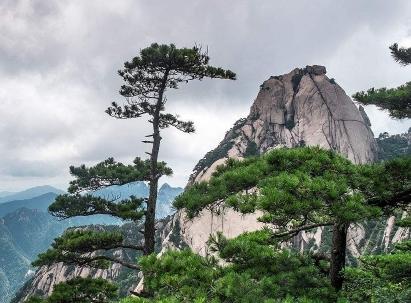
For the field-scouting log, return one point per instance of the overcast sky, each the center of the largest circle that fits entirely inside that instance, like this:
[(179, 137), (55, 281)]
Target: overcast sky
[(59, 62)]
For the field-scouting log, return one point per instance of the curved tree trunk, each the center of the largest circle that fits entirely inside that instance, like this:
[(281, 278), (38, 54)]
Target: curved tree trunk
[(338, 252)]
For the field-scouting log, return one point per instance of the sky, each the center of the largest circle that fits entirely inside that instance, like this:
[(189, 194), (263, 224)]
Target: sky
[(59, 62)]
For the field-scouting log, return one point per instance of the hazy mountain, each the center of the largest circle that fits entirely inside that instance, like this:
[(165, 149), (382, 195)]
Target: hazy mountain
[(6, 196), (24, 233), (6, 193), (41, 202), (166, 195), (26, 229)]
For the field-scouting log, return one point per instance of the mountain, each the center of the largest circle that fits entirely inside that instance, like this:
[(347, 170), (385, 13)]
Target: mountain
[(166, 195), (391, 146), (29, 230), (41, 284), (6, 193), (41, 202), (24, 233), (29, 193), (303, 107)]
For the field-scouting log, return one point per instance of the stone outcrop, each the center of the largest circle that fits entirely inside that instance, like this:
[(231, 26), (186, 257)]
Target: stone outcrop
[(303, 107), (46, 277)]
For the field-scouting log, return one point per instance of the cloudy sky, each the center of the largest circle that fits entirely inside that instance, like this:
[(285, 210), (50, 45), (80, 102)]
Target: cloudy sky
[(58, 63)]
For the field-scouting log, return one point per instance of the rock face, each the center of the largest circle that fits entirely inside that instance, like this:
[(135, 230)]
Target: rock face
[(303, 107), (36, 234), (46, 277)]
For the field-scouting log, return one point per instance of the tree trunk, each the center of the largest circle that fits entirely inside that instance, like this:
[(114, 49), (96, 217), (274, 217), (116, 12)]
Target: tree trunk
[(150, 217), (149, 224), (338, 251)]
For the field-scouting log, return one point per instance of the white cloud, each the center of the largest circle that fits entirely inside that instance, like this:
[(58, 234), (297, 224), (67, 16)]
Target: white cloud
[(59, 61)]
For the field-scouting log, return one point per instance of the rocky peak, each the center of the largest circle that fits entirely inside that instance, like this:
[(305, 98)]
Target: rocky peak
[(303, 107)]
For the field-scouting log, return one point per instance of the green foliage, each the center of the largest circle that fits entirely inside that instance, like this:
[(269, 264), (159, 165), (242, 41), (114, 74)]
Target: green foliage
[(156, 69), (400, 54), (251, 150), (180, 273), (390, 147), (76, 245), (304, 188), (110, 172), (255, 272), (289, 124), (81, 290), (68, 206), (381, 278), (396, 100), (299, 185)]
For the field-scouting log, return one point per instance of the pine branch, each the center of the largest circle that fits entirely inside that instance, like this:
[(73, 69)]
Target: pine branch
[(295, 231), (400, 54)]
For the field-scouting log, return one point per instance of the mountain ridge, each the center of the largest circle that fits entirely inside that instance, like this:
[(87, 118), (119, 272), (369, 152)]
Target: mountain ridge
[(30, 193)]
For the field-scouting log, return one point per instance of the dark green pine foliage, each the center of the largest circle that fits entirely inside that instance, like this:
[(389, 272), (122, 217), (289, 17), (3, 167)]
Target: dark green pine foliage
[(81, 290), (396, 100), (254, 271), (147, 77), (304, 188), (88, 246), (401, 54), (392, 146), (381, 278)]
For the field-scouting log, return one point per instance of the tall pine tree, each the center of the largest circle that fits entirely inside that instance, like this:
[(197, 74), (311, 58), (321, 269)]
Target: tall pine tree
[(147, 77)]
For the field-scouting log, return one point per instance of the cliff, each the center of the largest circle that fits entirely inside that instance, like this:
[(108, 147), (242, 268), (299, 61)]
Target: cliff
[(303, 107)]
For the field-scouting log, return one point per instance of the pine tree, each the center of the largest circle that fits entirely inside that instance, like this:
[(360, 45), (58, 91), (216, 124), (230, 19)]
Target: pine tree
[(89, 246), (81, 290), (305, 188), (396, 100), (147, 77), (400, 54)]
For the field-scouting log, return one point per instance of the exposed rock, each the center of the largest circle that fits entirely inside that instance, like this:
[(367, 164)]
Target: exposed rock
[(46, 277), (302, 107), (364, 115)]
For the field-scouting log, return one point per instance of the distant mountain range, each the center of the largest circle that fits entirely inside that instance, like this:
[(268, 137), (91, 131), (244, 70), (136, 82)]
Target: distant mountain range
[(41, 203), (26, 229), (24, 233), (6, 196)]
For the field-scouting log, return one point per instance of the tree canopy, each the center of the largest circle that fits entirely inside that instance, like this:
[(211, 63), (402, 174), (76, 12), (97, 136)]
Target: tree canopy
[(397, 101), (147, 77), (88, 246), (304, 188), (81, 290)]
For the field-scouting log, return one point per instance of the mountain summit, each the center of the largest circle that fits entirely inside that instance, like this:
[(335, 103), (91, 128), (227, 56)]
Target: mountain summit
[(303, 107)]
